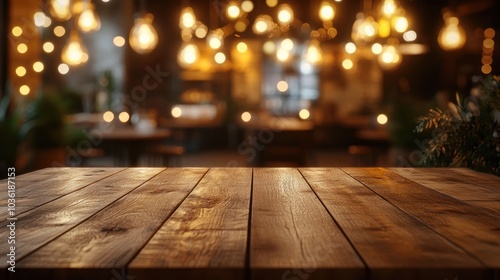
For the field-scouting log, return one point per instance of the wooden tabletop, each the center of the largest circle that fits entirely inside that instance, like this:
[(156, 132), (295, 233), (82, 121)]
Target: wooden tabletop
[(261, 223)]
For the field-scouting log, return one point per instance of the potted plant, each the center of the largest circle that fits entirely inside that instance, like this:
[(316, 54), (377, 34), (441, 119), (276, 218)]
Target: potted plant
[(467, 134), (12, 134), (47, 131)]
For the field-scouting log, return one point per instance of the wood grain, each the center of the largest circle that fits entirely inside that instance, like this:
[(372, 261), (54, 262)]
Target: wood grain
[(290, 229), (467, 226), (132, 220), (40, 225), (393, 244), (207, 233), (31, 188), (449, 182)]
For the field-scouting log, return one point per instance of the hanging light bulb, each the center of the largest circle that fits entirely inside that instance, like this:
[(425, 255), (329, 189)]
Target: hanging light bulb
[(143, 37), (389, 58), (263, 24), (388, 8), (215, 39), (326, 11), (452, 35), (285, 14), (74, 52), (364, 29), (313, 53), (60, 9), (188, 55), (188, 19), (400, 24), (233, 10), (88, 20)]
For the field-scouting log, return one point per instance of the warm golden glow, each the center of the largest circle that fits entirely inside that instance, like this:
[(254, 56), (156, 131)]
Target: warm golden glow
[(388, 8), (486, 59), (124, 117), (22, 48), (376, 48), (285, 14), (220, 58), (17, 31), (143, 37), (247, 6), (304, 114), (486, 69), (20, 71), (47, 22), (242, 47), (350, 47), (60, 9), (176, 112), (271, 3), (188, 55), (233, 10), (364, 29), (38, 66), (59, 31), (108, 116), (24, 90), (246, 116), (452, 35), (88, 20), (188, 19), (119, 41), (201, 31), (390, 57), (74, 52), (48, 47), (240, 26), (263, 24), (215, 38), (347, 64), (326, 11), (39, 19), (313, 54), (63, 68), (282, 86), (382, 119), (282, 55), (287, 44), (384, 28), (269, 47), (489, 33), (410, 36), (400, 24), (488, 43)]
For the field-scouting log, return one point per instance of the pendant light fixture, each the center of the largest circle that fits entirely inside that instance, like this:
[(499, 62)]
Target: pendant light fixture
[(74, 52), (143, 37)]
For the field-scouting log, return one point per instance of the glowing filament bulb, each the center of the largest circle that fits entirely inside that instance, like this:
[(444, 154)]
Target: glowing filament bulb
[(143, 37)]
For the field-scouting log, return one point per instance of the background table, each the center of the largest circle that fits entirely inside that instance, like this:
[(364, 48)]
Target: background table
[(261, 223), (128, 142)]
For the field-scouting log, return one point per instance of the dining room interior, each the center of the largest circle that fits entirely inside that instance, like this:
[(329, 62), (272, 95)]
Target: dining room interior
[(196, 83)]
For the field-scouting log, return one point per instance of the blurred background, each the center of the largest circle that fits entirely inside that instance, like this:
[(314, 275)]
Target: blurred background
[(233, 83)]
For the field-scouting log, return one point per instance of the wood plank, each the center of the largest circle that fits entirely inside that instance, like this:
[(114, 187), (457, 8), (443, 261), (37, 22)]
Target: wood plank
[(463, 224), (40, 225), (450, 182), (31, 188), (393, 244), (476, 177), (292, 234), (112, 237), (493, 205), (206, 237)]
